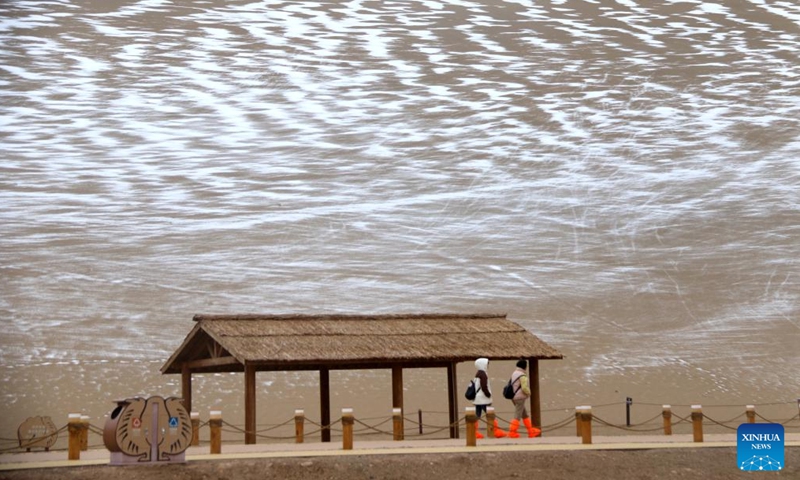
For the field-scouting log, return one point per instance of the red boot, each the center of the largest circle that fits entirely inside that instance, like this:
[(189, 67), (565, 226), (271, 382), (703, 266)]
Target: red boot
[(512, 429), (477, 430), (532, 431), (497, 432)]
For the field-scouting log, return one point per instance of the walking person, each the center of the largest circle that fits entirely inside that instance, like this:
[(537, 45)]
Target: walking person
[(483, 396), (521, 386)]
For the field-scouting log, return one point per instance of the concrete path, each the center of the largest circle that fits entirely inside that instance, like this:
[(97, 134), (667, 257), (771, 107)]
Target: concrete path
[(17, 461)]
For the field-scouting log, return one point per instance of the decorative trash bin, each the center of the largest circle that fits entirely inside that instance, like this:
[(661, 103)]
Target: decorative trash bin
[(142, 430)]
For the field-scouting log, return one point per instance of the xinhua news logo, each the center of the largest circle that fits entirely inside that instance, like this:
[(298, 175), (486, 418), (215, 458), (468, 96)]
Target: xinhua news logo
[(759, 447)]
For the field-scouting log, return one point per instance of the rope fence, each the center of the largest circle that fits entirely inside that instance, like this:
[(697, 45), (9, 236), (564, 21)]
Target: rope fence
[(396, 426)]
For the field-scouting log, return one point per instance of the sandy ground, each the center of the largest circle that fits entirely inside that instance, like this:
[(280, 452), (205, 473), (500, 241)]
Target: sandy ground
[(705, 463)]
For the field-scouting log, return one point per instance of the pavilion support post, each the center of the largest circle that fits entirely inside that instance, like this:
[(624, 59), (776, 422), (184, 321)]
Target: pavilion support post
[(186, 387), (325, 403), (249, 404), (397, 395), (452, 399), (536, 402)]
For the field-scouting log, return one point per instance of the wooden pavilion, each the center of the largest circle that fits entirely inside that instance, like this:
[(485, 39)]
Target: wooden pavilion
[(257, 343)]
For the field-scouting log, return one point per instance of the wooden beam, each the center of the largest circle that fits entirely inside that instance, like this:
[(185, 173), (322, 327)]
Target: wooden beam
[(536, 402), (452, 399), (325, 403), (186, 387), (249, 404), (214, 349), (287, 366), (211, 362)]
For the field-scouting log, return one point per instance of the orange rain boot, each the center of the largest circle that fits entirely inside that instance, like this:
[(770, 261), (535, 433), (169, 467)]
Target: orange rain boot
[(512, 429), (532, 431), (497, 432), (478, 430)]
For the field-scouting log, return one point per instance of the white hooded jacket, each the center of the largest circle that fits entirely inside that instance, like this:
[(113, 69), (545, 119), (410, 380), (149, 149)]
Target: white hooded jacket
[(480, 398)]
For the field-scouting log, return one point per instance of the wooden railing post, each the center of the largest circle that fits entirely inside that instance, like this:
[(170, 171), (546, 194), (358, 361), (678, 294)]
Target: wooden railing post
[(697, 423), (74, 428), (84, 433), (667, 414), (347, 428), (586, 425), (215, 423), (299, 426), (397, 423), (490, 416), (578, 422), (472, 419), (195, 429), (751, 413)]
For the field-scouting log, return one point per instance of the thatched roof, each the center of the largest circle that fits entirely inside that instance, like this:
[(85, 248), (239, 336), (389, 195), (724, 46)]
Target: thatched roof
[(292, 342)]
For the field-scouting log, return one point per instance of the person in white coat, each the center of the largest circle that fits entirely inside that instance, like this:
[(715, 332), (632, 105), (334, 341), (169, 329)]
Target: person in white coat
[(483, 395)]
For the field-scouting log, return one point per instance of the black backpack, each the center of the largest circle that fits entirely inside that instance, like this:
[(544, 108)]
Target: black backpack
[(471, 391), (508, 390)]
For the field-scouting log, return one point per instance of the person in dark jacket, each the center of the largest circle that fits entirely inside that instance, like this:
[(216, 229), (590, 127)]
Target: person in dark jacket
[(521, 386)]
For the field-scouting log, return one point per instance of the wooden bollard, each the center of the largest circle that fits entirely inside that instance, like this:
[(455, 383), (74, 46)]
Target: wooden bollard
[(397, 424), (472, 420), (578, 421), (586, 425), (347, 428), (697, 423), (215, 424), (195, 429), (299, 426), (490, 416), (74, 427), (84, 433), (667, 414), (751, 413)]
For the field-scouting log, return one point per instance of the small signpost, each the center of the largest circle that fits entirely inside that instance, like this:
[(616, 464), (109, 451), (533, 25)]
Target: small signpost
[(37, 432)]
